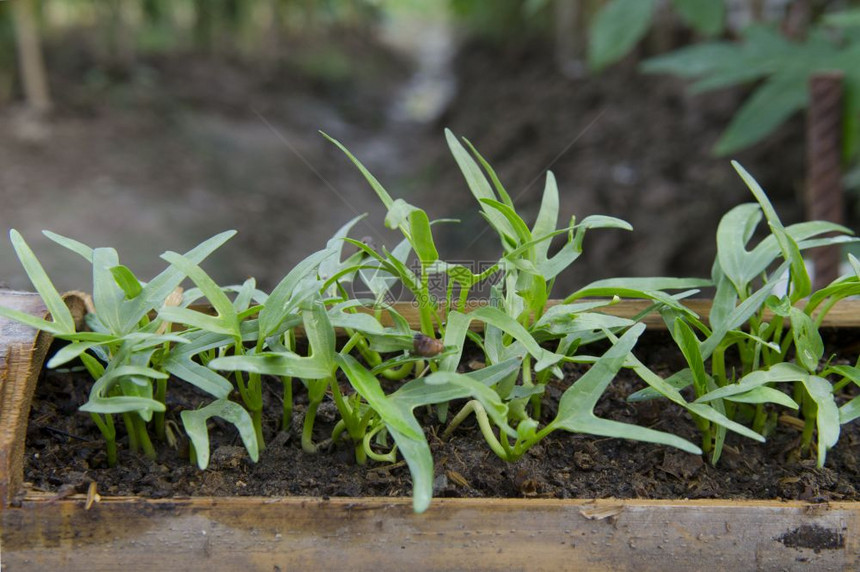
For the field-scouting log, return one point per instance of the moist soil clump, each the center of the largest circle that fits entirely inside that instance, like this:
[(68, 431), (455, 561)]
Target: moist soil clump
[(65, 453)]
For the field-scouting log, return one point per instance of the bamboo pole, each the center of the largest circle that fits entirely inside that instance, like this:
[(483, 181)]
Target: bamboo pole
[(30, 60)]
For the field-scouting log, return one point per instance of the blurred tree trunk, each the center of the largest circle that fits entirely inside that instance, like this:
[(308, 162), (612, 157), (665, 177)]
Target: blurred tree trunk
[(271, 36), (8, 53), (120, 51), (757, 10), (571, 24), (31, 62), (661, 37), (153, 12), (203, 23)]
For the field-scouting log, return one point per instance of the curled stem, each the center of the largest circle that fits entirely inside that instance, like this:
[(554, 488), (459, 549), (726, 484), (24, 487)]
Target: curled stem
[(484, 424), (389, 457), (398, 373)]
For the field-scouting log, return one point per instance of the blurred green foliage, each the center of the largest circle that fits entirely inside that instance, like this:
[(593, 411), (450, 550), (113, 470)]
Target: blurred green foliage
[(503, 21)]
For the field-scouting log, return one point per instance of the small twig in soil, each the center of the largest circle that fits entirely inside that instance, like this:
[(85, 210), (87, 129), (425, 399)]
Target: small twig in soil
[(388, 468), (57, 431), (792, 421)]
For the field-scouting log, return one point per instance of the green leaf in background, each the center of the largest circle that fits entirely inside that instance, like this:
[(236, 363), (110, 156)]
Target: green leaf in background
[(618, 26), (766, 53), (694, 61), (706, 16), (780, 97), (843, 19), (69, 352), (194, 421), (851, 116)]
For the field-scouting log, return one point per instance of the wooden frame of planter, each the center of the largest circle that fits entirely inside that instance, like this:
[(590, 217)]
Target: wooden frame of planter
[(43, 531)]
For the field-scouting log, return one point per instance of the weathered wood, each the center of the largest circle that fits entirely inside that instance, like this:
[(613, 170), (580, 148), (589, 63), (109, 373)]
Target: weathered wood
[(455, 534), (844, 314), (22, 353)]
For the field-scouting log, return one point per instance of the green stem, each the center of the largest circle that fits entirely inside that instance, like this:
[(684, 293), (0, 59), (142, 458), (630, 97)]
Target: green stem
[(354, 339), (108, 431), (338, 430), (352, 421), (534, 400), (718, 366), (243, 391), (308, 427), (287, 409), (809, 409), (424, 305), (760, 419), (484, 424), (257, 421), (158, 416), (399, 373), (828, 305), (388, 457), (127, 420), (704, 427), (143, 436), (464, 297)]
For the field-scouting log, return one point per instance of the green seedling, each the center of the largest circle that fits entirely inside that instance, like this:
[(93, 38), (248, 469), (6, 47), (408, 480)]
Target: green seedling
[(131, 347), (125, 351), (748, 318)]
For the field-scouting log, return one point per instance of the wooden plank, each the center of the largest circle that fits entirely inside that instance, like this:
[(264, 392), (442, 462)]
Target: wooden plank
[(461, 534), (22, 353), (844, 314)]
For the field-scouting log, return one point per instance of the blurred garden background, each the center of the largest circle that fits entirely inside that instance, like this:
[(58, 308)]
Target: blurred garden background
[(150, 125)]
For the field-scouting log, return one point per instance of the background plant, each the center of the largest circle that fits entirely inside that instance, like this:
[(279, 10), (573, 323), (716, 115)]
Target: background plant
[(779, 56)]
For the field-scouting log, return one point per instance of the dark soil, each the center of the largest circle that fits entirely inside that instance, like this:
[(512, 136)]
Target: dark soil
[(65, 453)]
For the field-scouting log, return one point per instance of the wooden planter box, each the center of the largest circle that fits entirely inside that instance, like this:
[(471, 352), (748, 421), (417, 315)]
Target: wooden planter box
[(43, 532)]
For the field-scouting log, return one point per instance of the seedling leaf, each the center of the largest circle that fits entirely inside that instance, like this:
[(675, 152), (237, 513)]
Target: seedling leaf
[(195, 420)]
